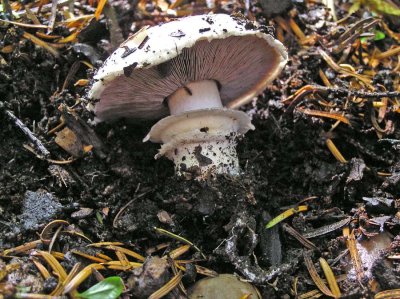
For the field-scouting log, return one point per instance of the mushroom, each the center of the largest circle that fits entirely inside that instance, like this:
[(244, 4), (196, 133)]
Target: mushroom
[(197, 69)]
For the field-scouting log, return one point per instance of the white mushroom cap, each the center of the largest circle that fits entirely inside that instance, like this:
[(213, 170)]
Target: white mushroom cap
[(135, 80)]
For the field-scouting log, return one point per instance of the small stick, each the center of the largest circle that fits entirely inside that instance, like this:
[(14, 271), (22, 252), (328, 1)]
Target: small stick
[(28, 133), (53, 16), (45, 8)]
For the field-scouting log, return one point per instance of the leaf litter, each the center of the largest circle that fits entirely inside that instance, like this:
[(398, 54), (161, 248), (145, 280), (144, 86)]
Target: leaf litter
[(322, 133)]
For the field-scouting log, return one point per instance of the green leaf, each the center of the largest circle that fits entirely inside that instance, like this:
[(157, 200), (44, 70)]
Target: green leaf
[(109, 288), (379, 35), (99, 217)]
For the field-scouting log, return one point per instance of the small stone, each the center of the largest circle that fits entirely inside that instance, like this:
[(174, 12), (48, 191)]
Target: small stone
[(39, 208), (82, 213), (149, 278), (164, 217)]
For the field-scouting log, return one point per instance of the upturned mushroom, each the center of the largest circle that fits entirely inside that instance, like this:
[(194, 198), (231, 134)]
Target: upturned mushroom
[(224, 286), (197, 70)]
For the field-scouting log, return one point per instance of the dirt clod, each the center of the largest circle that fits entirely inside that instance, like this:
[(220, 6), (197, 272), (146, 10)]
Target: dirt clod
[(39, 208)]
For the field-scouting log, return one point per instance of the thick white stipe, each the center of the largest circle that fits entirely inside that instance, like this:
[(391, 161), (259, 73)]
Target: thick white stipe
[(200, 135)]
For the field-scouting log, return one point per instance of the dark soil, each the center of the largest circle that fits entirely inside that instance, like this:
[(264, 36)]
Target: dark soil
[(284, 161)]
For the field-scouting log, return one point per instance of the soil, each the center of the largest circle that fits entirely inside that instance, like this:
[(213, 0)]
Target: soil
[(284, 161)]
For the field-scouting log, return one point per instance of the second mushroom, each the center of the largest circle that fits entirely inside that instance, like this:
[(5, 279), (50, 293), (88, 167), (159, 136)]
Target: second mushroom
[(197, 70)]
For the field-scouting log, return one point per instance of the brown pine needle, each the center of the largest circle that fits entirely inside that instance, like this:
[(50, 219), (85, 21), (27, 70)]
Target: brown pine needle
[(41, 43), (88, 64), (175, 271), (76, 233), (392, 34), (127, 252), (335, 152), (376, 104), (122, 258), (297, 31), (380, 173), (81, 82), (330, 277), (99, 9), (77, 22), (389, 53), (283, 24), (25, 25), (388, 294), (69, 39), (174, 236), (80, 277), (177, 265), (48, 231), (205, 271), (42, 269), (394, 257), (103, 256), (331, 115), (22, 248), (88, 256), (355, 256), (324, 78), (4, 271), (31, 16), (168, 287), (119, 263), (54, 238), (103, 244), (374, 121), (315, 277), (367, 81), (299, 237), (60, 286), (72, 273), (285, 215), (7, 49), (54, 264), (178, 252), (58, 255), (311, 295), (47, 36)]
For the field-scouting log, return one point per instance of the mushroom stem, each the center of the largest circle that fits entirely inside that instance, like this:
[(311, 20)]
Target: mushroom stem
[(199, 151), (201, 142), (201, 158), (195, 96)]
